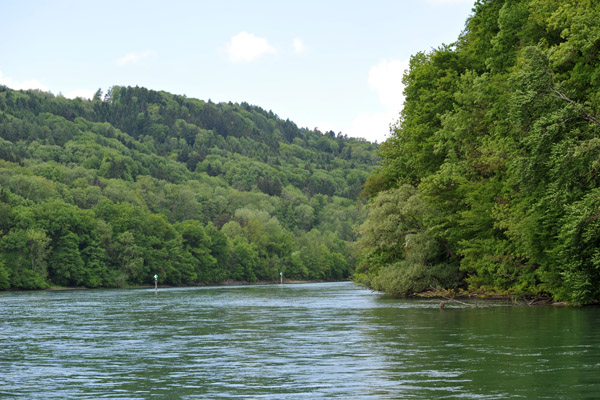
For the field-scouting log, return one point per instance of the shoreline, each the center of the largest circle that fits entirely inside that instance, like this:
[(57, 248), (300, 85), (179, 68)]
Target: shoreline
[(446, 295), (212, 284), (470, 298)]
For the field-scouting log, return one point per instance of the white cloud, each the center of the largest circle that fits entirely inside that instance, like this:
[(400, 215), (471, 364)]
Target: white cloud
[(372, 126), (134, 57), (299, 46), (385, 78), (23, 85), (325, 127), (83, 93), (245, 47), (35, 84)]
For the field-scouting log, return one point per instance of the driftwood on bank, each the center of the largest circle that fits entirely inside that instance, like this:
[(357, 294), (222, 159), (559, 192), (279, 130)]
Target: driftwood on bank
[(448, 299)]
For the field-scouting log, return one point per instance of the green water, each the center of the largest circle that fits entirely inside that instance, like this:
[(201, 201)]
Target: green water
[(310, 341)]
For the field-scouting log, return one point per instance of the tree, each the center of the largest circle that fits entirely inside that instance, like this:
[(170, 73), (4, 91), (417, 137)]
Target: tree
[(4, 276), (112, 183), (129, 258), (37, 247), (198, 244), (26, 251), (244, 260), (498, 142), (66, 267)]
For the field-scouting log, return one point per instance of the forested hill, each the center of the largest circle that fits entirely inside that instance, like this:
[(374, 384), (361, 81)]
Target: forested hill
[(110, 191), (491, 179)]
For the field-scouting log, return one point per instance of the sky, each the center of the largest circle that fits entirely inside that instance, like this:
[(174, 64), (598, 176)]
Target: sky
[(326, 64)]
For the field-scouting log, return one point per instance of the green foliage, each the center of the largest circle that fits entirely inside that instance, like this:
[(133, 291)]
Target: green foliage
[(109, 192), (499, 142), (400, 255), (4, 277), (578, 251)]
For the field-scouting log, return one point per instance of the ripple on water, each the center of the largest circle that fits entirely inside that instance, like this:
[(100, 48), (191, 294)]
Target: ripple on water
[(288, 342)]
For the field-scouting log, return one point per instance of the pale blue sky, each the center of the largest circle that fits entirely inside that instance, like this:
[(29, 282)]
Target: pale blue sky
[(328, 64)]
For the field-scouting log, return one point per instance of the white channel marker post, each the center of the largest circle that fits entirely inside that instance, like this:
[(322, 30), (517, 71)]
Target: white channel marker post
[(155, 284)]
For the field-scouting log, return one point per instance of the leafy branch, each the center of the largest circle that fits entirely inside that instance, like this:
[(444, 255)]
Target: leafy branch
[(588, 116)]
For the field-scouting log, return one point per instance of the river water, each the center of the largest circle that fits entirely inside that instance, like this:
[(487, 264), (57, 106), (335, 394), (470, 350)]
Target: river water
[(306, 341)]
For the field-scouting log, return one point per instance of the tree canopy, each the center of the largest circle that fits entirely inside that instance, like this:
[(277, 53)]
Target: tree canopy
[(110, 191), (491, 172)]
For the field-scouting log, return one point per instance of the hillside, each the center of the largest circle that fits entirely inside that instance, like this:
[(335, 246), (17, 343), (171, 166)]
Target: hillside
[(490, 180), (110, 191)]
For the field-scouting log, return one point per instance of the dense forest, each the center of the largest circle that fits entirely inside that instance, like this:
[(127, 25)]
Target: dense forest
[(108, 192), (490, 180)]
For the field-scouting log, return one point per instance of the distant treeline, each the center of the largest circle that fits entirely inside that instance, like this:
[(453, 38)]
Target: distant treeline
[(110, 191), (491, 178)]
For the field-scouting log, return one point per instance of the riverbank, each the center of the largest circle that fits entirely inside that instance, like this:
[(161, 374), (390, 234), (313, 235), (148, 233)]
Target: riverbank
[(322, 340), (460, 295), (216, 284)]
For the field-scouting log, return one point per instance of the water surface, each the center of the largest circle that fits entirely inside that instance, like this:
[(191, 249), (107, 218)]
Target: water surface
[(309, 341)]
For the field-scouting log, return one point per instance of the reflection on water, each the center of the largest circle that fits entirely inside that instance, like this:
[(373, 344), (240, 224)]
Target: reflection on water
[(332, 340)]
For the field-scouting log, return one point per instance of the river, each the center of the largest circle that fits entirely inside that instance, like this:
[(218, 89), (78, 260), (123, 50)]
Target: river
[(304, 341)]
